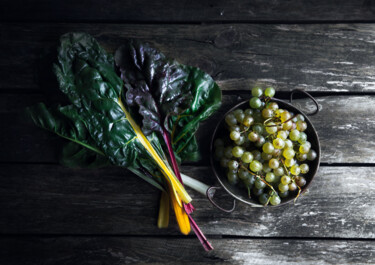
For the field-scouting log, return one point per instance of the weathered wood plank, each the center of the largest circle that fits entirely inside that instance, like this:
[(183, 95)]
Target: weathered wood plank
[(23, 142), (325, 57), (132, 250), (186, 11), (48, 199)]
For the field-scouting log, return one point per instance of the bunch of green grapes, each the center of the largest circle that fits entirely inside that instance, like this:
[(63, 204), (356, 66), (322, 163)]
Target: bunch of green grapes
[(267, 150)]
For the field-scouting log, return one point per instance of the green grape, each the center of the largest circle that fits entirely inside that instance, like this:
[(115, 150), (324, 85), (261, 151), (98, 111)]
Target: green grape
[(271, 128), (266, 168), (300, 181), (244, 128), (288, 153), (218, 142), (275, 200), (282, 135), (295, 170), (301, 126), (258, 129), (270, 177), (243, 174), (266, 156), (219, 152), (273, 106), (237, 111), (258, 116), (248, 112), (247, 157), (294, 135), (233, 170), (294, 126), (288, 144), (304, 149), (230, 120), (263, 198), (285, 180), (228, 152), (302, 138), (268, 148), (311, 155), (232, 178), (301, 157), (260, 142), (273, 163), (267, 113), (249, 181), (287, 125), (308, 143), (292, 186), (278, 112), (255, 103), (284, 194), (239, 116), (234, 135), (257, 192), (235, 128), (284, 116), (256, 92), (248, 121), (237, 151), (269, 92), (278, 143), (276, 153), (290, 162), (253, 136), (304, 168), (283, 188), (256, 155), (240, 141), (233, 164), (224, 162), (256, 166), (300, 117), (278, 172), (259, 184)]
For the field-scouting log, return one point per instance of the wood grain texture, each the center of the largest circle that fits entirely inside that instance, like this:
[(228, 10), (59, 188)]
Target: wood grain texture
[(346, 140), (187, 11), (323, 57), (131, 250), (48, 199)]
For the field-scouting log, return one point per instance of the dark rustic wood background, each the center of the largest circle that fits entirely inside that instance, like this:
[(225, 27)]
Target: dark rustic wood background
[(54, 215)]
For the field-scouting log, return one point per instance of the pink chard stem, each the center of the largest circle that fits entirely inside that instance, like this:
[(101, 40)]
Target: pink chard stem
[(188, 207)]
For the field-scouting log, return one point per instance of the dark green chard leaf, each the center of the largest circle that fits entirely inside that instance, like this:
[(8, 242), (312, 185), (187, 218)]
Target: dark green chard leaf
[(65, 122), (77, 156), (85, 74)]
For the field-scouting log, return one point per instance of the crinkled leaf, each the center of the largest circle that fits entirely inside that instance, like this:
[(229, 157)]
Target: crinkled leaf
[(77, 156), (86, 75), (162, 90), (65, 122)]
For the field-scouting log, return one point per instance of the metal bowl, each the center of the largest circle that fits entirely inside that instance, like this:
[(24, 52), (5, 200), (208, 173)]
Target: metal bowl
[(239, 193)]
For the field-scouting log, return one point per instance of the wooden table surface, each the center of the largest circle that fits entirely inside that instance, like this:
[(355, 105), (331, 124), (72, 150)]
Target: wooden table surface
[(53, 215)]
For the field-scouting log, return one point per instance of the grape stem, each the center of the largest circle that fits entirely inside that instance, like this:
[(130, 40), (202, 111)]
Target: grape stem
[(279, 123), (293, 180), (259, 177)]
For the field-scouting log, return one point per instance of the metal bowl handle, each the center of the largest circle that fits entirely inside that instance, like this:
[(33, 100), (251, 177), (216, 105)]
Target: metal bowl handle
[(307, 94), (210, 195)]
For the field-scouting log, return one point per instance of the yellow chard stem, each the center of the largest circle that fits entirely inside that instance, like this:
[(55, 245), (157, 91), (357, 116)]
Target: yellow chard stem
[(167, 172), (163, 218)]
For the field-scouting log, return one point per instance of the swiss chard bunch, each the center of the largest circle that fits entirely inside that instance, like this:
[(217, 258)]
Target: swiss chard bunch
[(140, 111)]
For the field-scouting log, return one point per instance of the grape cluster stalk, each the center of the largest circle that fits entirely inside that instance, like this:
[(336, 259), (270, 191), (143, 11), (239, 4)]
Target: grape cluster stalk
[(267, 151)]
